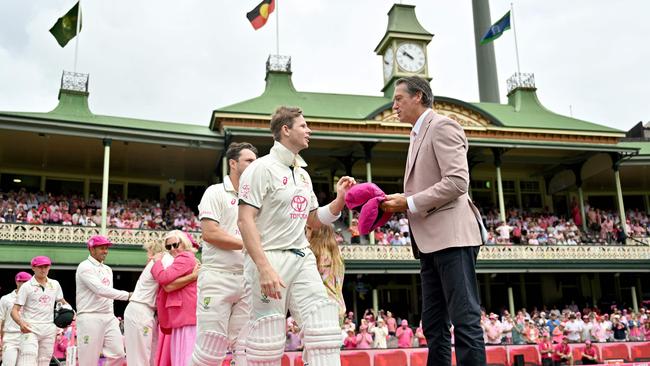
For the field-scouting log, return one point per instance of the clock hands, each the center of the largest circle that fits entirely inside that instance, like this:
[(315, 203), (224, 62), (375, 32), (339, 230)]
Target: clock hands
[(408, 55)]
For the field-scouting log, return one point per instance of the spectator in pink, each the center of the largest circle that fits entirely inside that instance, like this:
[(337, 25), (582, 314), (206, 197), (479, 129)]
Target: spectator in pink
[(546, 350), (391, 323), (351, 341), (364, 339), (589, 355), (60, 345), (177, 309), (419, 334), (404, 335), (492, 330), (562, 353)]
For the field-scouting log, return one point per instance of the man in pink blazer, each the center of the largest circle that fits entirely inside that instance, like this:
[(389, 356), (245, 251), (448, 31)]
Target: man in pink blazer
[(445, 230)]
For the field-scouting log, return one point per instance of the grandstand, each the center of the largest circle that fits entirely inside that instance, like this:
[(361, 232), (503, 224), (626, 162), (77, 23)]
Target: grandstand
[(127, 176)]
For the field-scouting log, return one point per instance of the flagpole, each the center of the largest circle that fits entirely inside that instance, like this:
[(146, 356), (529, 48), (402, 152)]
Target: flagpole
[(76, 46), (514, 30), (277, 28)]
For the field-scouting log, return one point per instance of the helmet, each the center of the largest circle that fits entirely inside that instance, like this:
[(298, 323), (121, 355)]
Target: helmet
[(63, 317)]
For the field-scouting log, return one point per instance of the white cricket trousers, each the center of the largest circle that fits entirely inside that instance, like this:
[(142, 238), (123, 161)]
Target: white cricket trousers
[(222, 306), (140, 334), (99, 333), (37, 347), (10, 347)]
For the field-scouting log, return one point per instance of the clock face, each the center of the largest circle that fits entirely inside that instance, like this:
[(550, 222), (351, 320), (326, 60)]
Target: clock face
[(410, 57), (388, 63)]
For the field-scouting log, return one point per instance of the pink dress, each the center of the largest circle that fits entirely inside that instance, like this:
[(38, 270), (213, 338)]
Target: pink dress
[(176, 311)]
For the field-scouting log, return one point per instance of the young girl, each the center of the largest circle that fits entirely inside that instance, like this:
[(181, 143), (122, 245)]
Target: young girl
[(330, 263)]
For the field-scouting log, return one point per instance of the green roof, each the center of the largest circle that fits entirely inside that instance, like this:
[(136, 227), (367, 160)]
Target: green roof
[(280, 91), (524, 110), (73, 107), (643, 146)]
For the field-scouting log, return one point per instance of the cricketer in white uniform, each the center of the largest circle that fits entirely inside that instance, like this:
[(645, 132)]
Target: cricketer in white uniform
[(276, 202), (33, 311), (223, 309), (9, 330), (98, 329)]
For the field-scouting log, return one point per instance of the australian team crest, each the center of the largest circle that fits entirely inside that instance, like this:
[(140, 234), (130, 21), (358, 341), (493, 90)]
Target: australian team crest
[(145, 331), (206, 302), (86, 339), (265, 299)]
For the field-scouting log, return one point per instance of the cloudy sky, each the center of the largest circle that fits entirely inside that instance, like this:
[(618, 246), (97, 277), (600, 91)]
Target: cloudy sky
[(179, 60)]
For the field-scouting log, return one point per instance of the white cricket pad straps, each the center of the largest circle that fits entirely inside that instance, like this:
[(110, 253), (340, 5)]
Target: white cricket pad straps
[(210, 348), (266, 340), (322, 335)]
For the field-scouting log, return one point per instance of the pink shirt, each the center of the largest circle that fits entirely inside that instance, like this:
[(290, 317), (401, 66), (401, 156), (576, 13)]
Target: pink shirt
[(177, 308), (391, 323), (404, 337), (364, 340)]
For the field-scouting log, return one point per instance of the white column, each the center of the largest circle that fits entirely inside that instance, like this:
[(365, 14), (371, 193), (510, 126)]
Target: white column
[(619, 199), (635, 303), (224, 167), (375, 301), (107, 156), (502, 205), (511, 302), (581, 200)]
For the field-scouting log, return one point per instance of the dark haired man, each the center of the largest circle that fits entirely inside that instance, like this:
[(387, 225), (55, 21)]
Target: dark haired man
[(445, 227), (222, 311)]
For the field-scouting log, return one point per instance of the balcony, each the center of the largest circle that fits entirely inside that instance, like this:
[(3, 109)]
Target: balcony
[(359, 258)]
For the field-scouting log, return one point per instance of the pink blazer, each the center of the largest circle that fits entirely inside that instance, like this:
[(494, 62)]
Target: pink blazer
[(437, 177), (177, 308)]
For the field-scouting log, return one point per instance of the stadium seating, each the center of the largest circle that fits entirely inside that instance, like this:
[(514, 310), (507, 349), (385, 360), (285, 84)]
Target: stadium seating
[(496, 356), (396, 357), (614, 351), (640, 351), (531, 355), (419, 358), (355, 358)]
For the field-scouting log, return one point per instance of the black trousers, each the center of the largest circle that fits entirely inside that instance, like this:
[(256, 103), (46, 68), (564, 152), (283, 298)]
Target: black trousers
[(450, 295)]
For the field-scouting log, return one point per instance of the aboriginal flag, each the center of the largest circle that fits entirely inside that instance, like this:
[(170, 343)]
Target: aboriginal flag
[(260, 14)]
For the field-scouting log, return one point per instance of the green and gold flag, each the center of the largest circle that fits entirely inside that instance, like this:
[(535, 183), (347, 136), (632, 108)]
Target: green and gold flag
[(65, 27)]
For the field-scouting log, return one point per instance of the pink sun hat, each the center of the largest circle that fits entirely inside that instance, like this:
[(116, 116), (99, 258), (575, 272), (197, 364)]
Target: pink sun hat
[(98, 240), (369, 197), (41, 260), (23, 277)]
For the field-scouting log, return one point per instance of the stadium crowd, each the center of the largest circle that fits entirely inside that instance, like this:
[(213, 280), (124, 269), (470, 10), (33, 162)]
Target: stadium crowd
[(40, 208)]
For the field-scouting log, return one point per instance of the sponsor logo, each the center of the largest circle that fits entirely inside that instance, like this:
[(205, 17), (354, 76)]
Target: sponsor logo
[(44, 299), (299, 205), (245, 190), (285, 180), (233, 201), (106, 281)]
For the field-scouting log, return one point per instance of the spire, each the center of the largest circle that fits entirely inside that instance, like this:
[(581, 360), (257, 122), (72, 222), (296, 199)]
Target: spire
[(73, 95)]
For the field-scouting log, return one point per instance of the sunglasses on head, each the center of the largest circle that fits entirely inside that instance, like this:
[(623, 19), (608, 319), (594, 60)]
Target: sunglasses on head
[(172, 245)]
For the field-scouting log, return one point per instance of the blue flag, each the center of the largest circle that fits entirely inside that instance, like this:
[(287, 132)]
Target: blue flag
[(497, 29)]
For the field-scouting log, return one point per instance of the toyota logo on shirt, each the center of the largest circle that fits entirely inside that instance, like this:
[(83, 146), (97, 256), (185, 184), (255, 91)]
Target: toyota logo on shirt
[(299, 203)]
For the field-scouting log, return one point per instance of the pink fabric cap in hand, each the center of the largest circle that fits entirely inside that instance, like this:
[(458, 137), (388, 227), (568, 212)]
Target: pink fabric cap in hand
[(359, 194), (372, 216)]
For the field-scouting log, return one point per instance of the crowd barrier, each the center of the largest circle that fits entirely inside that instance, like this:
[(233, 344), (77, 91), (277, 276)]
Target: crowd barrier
[(624, 354)]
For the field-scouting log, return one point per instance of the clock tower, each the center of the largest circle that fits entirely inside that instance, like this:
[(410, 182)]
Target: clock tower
[(404, 47)]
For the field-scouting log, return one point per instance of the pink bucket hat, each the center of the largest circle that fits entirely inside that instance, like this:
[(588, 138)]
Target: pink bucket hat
[(359, 194), (98, 240), (369, 197), (23, 277), (41, 260)]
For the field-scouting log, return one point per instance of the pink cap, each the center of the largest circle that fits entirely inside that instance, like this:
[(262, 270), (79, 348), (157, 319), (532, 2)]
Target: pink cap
[(23, 277), (41, 260), (405, 322), (98, 240), (371, 216)]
